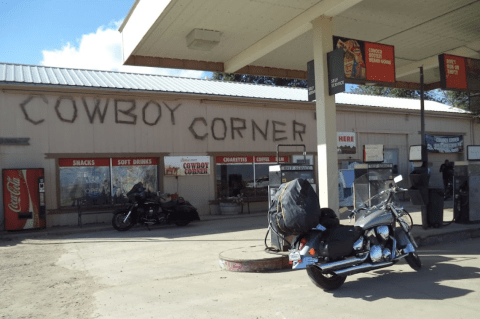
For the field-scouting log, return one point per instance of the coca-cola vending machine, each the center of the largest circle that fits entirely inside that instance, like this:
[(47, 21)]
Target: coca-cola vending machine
[(24, 198)]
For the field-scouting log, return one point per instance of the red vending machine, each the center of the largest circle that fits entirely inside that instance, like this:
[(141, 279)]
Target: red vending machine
[(24, 198)]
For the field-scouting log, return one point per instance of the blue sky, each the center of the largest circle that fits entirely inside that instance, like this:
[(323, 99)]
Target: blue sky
[(68, 33)]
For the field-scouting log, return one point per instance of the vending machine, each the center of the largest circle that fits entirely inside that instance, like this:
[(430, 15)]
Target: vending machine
[(24, 198)]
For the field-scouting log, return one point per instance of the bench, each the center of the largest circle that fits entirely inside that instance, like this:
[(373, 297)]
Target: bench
[(95, 210)]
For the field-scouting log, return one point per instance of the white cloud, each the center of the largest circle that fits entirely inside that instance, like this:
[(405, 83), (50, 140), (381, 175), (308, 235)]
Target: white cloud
[(102, 50)]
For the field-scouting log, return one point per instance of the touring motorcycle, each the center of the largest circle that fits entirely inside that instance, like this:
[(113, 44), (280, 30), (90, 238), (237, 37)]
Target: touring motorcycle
[(148, 209), (380, 237)]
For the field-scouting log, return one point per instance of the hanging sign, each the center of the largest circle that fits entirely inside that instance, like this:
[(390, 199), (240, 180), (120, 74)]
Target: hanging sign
[(444, 144), (187, 165), (366, 61), (311, 80), (459, 73), (346, 143), (336, 74)]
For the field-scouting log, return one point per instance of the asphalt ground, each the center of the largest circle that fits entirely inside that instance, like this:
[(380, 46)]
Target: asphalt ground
[(174, 272)]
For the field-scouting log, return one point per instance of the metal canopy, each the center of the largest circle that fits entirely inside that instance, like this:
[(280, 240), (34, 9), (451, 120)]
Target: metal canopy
[(274, 37)]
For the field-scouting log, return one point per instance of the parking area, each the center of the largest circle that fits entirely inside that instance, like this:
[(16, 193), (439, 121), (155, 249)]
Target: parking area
[(172, 272)]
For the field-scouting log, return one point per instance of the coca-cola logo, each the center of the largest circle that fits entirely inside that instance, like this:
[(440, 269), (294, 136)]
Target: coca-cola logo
[(13, 187)]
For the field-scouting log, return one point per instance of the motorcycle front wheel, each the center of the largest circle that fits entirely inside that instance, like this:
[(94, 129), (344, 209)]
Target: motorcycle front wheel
[(414, 261), (324, 281), (118, 221)]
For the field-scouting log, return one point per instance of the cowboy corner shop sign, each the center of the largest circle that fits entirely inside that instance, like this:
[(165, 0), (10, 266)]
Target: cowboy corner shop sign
[(187, 165), (444, 144)]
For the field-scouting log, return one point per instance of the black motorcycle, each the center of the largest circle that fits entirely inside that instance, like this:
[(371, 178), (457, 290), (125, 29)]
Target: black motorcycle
[(149, 209)]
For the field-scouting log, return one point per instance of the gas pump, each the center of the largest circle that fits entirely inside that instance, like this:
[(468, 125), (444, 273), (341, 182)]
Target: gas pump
[(379, 175), (466, 187), (284, 173)]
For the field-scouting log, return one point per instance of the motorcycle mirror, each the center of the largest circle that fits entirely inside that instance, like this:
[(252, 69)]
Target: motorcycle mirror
[(398, 179)]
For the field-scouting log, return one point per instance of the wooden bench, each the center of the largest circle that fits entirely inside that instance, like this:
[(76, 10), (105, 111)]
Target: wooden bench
[(95, 210)]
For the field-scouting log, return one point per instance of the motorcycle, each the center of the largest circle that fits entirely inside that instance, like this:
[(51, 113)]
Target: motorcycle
[(147, 209), (380, 237)]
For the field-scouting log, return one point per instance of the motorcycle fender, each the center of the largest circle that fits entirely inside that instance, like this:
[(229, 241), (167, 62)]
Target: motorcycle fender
[(403, 241)]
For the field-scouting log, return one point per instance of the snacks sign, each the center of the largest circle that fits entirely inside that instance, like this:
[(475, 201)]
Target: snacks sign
[(366, 61)]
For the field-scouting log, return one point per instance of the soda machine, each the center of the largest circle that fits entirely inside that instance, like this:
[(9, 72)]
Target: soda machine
[(24, 198)]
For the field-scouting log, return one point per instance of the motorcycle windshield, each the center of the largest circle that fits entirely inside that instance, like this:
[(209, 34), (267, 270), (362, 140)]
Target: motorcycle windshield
[(368, 189)]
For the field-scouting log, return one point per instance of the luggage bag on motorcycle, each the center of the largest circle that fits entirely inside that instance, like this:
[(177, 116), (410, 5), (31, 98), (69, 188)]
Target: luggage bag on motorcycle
[(295, 208), (185, 212), (337, 241)]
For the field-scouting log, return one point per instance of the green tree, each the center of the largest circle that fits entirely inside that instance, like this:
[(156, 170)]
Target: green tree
[(395, 92), (258, 79)]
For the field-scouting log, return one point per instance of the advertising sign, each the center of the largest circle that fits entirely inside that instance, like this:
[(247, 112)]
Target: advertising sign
[(444, 144), (473, 152), (336, 74), (346, 143), (311, 80), (459, 73), (21, 199), (373, 153), (367, 61), (187, 165)]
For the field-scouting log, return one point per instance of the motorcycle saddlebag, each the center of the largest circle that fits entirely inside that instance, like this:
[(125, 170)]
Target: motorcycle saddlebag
[(337, 242), (185, 212), (295, 207)]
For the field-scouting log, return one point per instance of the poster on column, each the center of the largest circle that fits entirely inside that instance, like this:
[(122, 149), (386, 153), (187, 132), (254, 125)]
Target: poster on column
[(366, 61)]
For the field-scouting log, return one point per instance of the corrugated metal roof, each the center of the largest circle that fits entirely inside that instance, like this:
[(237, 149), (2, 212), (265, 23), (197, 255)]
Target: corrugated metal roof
[(52, 76)]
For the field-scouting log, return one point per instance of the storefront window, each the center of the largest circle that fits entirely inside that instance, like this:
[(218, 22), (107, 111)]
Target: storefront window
[(247, 175), (100, 181), (126, 172), (84, 181)]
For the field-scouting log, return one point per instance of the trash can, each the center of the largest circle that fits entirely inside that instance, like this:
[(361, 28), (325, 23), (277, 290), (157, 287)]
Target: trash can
[(435, 207)]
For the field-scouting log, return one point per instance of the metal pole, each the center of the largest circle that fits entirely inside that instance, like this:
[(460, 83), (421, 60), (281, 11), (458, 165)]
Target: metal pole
[(422, 119)]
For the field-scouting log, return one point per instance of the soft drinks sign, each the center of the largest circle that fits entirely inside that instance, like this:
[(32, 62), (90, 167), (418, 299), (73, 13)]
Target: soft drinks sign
[(21, 199)]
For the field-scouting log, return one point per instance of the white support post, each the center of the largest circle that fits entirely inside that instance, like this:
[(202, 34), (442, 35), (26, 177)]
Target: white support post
[(326, 116)]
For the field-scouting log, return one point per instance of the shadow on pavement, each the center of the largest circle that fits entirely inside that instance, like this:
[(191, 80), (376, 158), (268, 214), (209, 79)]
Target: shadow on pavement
[(426, 284)]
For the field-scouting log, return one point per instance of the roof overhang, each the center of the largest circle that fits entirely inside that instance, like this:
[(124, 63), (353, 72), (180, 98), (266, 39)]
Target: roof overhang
[(274, 37)]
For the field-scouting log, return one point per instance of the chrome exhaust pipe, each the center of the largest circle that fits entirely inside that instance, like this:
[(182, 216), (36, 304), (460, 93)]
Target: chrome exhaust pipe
[(342, 263), (361, 268)]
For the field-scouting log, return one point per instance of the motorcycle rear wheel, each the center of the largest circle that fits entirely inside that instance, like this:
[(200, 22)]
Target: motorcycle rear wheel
[(326, 282), (414, 261), (118, 221)]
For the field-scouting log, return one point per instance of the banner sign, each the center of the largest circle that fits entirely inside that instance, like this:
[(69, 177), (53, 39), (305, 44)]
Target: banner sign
[(459, 73), (336, 73), (346, 143), (187, 165), (21, 199), (367, 61), (444, 144)]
